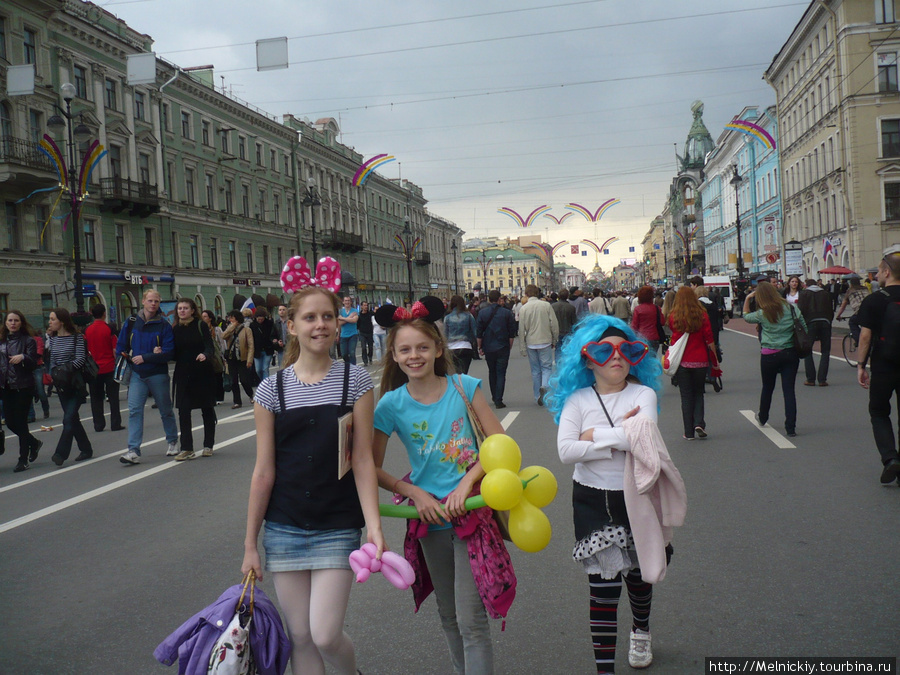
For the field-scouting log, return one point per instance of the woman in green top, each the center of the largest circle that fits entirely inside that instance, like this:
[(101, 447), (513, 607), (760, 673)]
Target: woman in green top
[(778, 354)]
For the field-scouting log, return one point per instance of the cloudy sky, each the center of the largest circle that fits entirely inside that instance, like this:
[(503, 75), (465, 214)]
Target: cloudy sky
[(504, 104)]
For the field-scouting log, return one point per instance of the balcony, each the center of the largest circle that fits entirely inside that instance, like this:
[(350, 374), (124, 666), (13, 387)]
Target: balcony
[(119, 194), (342, 241), (423, 258), (25, 163)]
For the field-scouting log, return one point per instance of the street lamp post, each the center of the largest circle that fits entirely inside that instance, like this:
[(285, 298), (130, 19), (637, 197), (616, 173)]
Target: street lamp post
[(407, 232), (312, 200), (455, 248), (80, 134), (736, 181)]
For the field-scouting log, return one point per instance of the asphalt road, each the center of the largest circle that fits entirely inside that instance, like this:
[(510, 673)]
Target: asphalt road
[(790, 546)]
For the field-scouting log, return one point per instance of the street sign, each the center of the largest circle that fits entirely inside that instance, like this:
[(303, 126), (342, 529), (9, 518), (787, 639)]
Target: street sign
[(793, 258)]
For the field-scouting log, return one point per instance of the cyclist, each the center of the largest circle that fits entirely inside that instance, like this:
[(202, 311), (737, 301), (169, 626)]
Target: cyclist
[(853, 297)]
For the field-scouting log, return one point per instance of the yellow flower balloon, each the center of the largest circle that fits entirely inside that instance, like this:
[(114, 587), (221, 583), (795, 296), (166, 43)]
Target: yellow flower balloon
[(501, 489), (499, 451), (529, 527), (541, 487)]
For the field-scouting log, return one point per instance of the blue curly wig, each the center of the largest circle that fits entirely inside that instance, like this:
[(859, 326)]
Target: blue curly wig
[(572, 372)]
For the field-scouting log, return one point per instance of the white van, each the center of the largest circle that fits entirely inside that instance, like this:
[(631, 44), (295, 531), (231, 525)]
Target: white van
[(723, 283)]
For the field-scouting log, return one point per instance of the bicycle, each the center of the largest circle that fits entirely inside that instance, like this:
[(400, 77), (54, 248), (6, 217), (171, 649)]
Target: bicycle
[(848, 347)]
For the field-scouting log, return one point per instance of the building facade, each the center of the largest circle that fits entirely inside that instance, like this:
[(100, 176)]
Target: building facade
[(836, 89), (756, 194), (505, 266), (655, 255), (200, 195)]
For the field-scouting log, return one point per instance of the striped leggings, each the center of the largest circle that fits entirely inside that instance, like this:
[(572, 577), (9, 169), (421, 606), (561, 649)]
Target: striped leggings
[(604, 607)]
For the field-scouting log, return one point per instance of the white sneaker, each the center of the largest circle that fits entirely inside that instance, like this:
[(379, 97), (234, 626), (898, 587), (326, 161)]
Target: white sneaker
[(185, 454), (207, 452), (130, 457), (172, 450), (639, 653)]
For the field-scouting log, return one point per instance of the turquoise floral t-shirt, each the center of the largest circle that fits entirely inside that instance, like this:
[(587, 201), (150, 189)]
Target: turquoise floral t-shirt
[(438, 437)]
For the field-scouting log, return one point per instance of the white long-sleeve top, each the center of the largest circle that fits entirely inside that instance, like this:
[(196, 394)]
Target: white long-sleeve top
[(600, 463)]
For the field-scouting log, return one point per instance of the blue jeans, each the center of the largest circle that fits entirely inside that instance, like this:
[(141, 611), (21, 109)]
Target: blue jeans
[(348, 348), (379, 345), (784, 363), (261, 365), (541, 362), (138, 390)]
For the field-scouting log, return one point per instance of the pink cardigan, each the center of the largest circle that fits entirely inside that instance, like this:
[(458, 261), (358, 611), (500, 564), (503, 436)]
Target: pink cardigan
[(654, 495)]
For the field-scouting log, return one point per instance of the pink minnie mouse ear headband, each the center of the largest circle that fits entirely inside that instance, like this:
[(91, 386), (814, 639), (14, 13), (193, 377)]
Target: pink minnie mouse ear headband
[(296, 275)]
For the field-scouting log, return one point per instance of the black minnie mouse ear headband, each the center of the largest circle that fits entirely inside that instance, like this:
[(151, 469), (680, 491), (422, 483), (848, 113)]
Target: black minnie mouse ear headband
[(429, 308)]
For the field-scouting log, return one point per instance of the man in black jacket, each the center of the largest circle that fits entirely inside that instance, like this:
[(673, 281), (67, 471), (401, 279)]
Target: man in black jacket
[(818, 311), (495, 329)]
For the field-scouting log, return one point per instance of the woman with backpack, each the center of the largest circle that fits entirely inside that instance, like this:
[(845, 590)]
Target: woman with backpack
[(193, 380), (239, 356), (68, 347)]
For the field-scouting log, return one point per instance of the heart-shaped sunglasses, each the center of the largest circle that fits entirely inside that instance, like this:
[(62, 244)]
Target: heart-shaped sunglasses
[(601, 352)]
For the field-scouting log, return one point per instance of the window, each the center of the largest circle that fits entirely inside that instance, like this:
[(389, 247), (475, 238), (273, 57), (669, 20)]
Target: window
[(290, 211), (280, 255), (225, 142), (210, 201), (110, 95), (148, 246), (165, 117), (884, 11), (41, 216), (189, 186), (5, 121), (242, 147), (214, 253), (30, 46), (80, 76), (265, 268), (229, 199), (262, 205), (185, 124), (120, 243), (2, 37), (90, 244), (36, 125), (12, 226), (232, 255), (273, 161), (287, 165), (176, 250), (276, 209), (204, 132), (245, 200), (887, 72), (139, 100), (892, 201), (115, 161), (249, 257), (890, 138), (259, 154), (170, 170), (4, 303), (144, 168), (195, 251)]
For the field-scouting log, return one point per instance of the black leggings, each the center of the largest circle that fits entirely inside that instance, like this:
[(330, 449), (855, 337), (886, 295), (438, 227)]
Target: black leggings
[(604, 609), (16, 403), (209, 428), (690, 383)]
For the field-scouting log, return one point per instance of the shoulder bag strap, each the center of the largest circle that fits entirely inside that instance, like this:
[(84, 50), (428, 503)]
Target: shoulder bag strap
[(602, 405), (279, 386), (473, 416)]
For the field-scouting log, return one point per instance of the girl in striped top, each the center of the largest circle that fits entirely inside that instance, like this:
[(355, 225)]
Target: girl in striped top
[(67, 346)]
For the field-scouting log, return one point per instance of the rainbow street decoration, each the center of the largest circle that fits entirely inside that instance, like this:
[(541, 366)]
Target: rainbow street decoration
[(558, 246), (366, 168), (546, 248), (599, 249), (598, 214), (558, 221), (524, 222), (753, 131), (409, 253), (92, 158)]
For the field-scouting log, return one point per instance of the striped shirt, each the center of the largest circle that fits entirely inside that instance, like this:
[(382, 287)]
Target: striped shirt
[(65, 348), (327, 391)]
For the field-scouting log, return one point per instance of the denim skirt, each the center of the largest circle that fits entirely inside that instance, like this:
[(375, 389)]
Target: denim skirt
[(290, 549)]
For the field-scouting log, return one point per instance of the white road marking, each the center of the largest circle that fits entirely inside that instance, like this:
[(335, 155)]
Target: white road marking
[(509, 419), (42, 513), (112, 455), (767, 431)]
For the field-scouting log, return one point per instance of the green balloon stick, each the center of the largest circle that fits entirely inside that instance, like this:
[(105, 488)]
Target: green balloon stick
[(409, 512)]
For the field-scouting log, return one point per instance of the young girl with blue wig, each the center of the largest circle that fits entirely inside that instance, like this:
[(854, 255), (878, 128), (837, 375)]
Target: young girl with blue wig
[(605, 376)]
